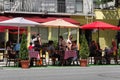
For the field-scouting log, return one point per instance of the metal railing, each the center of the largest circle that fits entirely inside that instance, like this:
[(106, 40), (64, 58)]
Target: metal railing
[(40, 6), (35, 6)]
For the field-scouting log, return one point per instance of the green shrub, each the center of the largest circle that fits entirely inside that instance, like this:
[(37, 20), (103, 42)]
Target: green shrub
[(23, 54), (84, 49)]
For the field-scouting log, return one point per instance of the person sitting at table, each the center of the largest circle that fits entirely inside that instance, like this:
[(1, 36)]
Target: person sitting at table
[(74, 45), (17, 49), (75, 48), (10, 50), (114, 51), (30, 46), (37, 46), (52, 51), (69, 42)]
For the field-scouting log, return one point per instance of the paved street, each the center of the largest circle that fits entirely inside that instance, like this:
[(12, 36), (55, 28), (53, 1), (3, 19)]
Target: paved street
[(62, 73)]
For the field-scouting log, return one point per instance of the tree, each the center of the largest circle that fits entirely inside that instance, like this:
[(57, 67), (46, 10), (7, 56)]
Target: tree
[(84, 49), (23, 48)]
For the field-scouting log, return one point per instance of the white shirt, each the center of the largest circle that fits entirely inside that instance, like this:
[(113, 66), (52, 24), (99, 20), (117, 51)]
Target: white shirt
[(33, 41), (69, 44)]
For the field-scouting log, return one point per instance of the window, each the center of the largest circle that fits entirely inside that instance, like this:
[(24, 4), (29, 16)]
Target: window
[(61, 6), (43, 31), (79, 5), (63, 32), (70, 6), (48, 5)]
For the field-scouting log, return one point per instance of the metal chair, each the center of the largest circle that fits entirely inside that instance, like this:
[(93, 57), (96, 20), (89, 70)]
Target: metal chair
[(11, 57), (43, 57)]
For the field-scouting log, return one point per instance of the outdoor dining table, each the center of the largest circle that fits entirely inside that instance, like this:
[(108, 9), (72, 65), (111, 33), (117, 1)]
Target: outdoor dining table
[(34, 54), (69, 54)]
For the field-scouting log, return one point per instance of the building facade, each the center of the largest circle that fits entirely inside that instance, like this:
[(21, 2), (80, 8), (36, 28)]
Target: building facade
[(59, 8), (79, 10)]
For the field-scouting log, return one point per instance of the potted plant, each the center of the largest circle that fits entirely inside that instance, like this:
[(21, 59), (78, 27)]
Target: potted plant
[(118, 51), (84, 51), (23, 54)]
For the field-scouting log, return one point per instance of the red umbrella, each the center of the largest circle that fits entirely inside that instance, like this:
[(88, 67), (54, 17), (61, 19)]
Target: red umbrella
[(99, 25)]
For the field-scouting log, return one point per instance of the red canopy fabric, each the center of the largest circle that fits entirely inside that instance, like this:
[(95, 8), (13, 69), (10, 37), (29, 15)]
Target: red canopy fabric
[(2, 30), (36, 19), (42, 20), (11, 28), (16, 32), (99, 25), (2, 18)]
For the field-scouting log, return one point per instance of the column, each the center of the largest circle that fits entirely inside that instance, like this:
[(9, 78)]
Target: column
[(29, 35), (78, 38), (49, 33), (69, 31)]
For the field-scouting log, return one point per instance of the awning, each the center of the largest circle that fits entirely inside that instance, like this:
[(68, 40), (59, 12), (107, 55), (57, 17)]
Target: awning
[(16, 32), (10, 28), (42, 20), (2, 18)]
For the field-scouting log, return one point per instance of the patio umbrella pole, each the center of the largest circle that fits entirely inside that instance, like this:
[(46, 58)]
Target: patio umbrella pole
[(18, 33), (58, 35), (98, 35)]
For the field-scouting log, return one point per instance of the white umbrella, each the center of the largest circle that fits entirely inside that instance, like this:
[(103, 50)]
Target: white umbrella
[(60, 23), (19, 22)]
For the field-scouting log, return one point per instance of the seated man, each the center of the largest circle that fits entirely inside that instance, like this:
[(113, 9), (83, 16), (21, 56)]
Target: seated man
[(17, 49), (52, 51)]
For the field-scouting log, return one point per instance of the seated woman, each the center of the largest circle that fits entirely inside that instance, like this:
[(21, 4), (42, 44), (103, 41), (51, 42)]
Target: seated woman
[(74, 45), (9, 49), (107, 54), (75, 48), (114, 51), (111, 53), (30, 46)]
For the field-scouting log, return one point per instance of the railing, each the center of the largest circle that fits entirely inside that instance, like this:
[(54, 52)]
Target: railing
[(51, 6), (1, 6), (43, 6)]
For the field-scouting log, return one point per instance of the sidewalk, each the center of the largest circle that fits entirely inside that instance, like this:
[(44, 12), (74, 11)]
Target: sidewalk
[(108, 72)]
